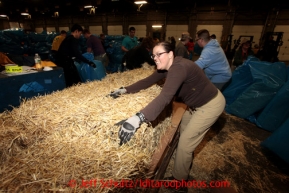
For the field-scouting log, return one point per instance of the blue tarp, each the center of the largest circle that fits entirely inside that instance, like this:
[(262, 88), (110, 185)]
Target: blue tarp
[(276, 112), (115, 55), (278, 141), (239, 82), (88, 73), (253, 85)]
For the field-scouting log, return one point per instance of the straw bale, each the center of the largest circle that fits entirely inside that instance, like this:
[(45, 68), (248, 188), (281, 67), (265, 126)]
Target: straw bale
[(53, 142)]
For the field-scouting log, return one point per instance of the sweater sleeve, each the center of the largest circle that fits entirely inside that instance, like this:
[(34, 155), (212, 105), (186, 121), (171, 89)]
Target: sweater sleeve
[(174, 80), (204, 60)]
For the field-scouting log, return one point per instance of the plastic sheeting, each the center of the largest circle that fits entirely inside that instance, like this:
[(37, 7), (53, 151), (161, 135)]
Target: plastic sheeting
[(278, 141), (88, 73), (115, 55), (239, 82), (276, 112), (253, 85)]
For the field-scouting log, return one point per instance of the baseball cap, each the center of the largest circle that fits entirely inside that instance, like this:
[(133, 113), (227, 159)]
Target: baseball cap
[(185, 35)]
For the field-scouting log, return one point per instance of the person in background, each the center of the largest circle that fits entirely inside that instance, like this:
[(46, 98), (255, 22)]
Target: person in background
[(242, 53), (255, 49), (173, 42), (181, 49), (205, 104), (213, 59), (140, 54), (213, 36), (68, 52), (129, 41), (94, 46), (190, 46), (156, 40), (57, 41), (102, 39)]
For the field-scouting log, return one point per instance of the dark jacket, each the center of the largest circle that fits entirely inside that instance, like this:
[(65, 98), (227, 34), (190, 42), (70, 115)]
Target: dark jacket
[(135, 57), (239, 58)]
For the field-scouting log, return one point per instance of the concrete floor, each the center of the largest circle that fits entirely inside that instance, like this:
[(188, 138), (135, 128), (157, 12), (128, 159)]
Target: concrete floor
[(231, 152)]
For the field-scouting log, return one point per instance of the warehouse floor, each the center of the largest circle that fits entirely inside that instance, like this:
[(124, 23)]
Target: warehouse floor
[(231, 152)]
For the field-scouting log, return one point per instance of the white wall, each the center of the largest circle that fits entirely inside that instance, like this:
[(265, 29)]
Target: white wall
[(14, 25), (176, 31), (39, 29), (114, 30), (63, 28), (95, 30), (50, 29), (247, 30)]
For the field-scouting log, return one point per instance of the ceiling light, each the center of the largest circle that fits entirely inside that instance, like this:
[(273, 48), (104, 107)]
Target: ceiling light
[(88, 6), (24, 13), (3, 15), (140, 2), (156, 26)]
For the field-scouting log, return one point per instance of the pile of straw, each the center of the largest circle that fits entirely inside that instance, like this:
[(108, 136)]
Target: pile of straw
[(67, 141)]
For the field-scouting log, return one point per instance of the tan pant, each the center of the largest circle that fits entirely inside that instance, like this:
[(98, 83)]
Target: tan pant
[(194, 126)]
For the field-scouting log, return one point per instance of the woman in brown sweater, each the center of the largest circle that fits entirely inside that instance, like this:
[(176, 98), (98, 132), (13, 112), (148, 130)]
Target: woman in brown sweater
[(188, 81)]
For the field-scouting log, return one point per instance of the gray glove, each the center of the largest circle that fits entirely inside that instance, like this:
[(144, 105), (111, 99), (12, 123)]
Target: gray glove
[(129, 127), (118, 92)]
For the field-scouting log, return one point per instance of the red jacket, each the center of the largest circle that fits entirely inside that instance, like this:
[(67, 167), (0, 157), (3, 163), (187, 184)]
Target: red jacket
[(190, 46)]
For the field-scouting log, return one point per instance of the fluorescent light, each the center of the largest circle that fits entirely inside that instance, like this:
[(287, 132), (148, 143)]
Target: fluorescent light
[(140, 2), (156, 26), (3, 15), (88, 6), (24, 13)]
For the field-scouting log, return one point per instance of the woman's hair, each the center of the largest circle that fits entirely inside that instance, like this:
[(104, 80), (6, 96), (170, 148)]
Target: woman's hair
[(166, 45)]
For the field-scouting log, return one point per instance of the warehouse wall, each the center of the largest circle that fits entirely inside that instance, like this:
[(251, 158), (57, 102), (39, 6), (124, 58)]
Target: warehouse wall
[(220, 21), (226, 19)]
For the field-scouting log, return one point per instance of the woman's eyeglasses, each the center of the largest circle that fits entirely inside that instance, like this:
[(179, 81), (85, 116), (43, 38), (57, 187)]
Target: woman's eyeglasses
[(158, 55)]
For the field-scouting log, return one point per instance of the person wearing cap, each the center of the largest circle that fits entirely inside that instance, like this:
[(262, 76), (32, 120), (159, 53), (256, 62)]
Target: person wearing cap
[(242, 53), (181, 49), (213, 59)]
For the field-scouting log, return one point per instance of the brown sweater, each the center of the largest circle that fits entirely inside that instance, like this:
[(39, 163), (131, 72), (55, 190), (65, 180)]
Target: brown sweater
[(184, 79)]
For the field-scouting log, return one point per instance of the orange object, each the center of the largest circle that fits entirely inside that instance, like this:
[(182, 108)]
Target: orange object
[(46, 64)]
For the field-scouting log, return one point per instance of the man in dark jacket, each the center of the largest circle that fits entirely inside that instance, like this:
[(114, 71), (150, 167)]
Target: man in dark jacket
[(135, 57), (68, 52)]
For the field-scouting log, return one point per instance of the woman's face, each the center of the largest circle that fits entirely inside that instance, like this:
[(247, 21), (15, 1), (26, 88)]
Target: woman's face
[(162, 58)]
